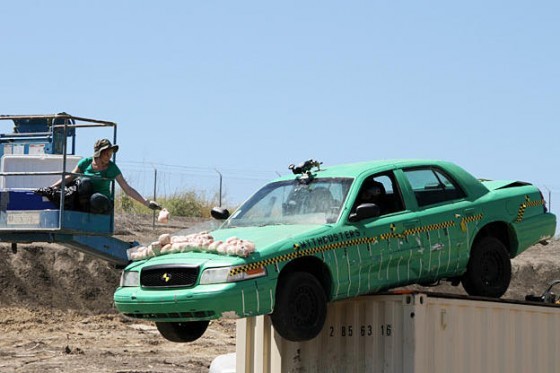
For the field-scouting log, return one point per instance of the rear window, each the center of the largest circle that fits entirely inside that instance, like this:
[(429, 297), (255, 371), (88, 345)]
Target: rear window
[(432, 186)]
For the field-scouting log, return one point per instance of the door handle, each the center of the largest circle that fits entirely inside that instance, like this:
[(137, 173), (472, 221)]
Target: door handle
[(469, 212)]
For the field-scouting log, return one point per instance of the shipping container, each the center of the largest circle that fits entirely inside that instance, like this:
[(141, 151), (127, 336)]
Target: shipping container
[(415, 332)]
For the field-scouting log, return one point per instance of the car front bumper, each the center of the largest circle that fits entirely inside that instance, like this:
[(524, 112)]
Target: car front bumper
[(203, 302)]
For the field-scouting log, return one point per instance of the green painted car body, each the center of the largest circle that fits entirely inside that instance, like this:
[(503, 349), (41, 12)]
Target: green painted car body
[(428, 217)]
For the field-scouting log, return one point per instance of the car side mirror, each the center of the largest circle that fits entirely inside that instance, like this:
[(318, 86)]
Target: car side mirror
[(219, 213), (365, 211)]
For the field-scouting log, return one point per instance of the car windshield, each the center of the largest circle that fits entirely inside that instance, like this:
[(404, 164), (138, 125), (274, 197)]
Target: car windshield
[(293, 202)]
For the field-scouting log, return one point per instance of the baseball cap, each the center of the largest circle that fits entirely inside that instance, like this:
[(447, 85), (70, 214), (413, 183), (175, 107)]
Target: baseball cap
[(103, 144)]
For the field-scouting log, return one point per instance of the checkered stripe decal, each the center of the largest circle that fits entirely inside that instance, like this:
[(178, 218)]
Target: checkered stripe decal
[(471, 219), (392, 234), (429, 228), (298, 253), (523, 206)]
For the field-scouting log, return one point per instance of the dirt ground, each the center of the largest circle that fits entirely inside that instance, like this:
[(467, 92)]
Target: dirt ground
[(56, 312)]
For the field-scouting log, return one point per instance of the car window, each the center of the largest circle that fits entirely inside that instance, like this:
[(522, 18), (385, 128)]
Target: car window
[(432, 186), (382, 190), (292, 202)]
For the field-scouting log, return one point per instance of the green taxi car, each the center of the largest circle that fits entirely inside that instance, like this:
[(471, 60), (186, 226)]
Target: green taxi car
[(329, 233)]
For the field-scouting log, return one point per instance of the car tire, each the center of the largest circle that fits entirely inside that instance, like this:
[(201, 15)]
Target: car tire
[(301, 307), (182, 332), (488, 270)]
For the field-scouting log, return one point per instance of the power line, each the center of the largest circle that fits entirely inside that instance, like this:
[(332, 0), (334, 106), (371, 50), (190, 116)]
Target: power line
[(198, 168)]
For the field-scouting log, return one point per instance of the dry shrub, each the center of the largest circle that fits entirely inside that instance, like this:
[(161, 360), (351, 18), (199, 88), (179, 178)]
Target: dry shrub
[(189, 203)]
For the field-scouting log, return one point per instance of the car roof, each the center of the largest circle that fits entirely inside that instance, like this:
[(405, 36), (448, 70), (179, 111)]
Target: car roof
[(354, 170)]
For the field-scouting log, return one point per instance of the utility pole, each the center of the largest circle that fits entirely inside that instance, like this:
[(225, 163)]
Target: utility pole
[(220, 193)]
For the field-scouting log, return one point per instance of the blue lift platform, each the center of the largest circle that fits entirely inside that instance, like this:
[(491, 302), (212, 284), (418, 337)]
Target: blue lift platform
[(35, 155)]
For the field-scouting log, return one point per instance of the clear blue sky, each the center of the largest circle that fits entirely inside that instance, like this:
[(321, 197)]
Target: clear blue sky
[(246, 86)]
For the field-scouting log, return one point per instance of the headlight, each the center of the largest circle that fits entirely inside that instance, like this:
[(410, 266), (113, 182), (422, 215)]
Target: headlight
[(130, 278), (214, 275), (222, 274)]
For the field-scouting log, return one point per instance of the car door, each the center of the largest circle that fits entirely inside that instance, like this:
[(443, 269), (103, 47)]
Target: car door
[(385, 257), (442, 211)]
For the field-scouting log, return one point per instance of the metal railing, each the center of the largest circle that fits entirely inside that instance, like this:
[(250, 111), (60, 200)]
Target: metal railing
[(69, 122)]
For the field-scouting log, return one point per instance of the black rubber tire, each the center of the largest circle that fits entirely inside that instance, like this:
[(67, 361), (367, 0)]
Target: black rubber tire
[(489, 269), (182, 332), (301, 307)]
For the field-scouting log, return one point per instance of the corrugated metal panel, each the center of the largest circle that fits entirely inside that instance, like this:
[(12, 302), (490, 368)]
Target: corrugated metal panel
[(477, 336), (410, 333)]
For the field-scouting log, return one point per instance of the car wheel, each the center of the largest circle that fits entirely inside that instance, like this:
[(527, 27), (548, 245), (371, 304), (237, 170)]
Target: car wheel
[(489, 269), (301, 307), (188, 331)]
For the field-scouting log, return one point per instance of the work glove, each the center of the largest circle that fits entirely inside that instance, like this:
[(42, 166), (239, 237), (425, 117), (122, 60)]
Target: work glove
[(153, 205)]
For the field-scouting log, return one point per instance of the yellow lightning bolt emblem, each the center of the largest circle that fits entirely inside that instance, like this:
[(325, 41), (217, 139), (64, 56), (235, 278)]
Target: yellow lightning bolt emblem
[(166, 277)]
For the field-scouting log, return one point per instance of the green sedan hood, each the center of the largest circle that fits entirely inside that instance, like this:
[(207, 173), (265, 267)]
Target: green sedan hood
[(269, 235), (265, 238)]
